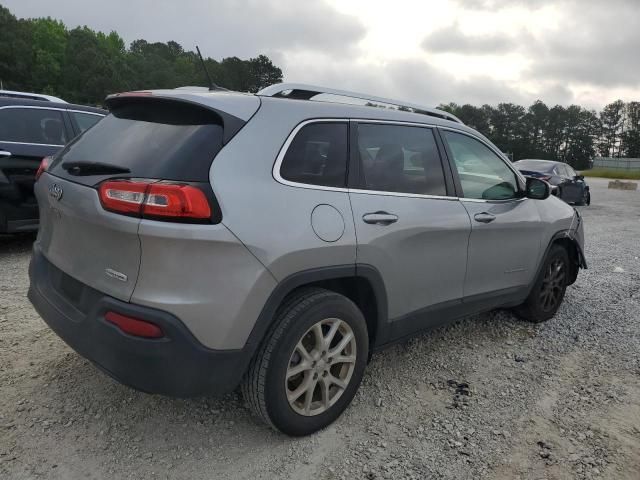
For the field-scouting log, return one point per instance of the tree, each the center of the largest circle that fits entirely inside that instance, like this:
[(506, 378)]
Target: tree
[(15, 50), (612, 124), (262, 73), (84, 66), (48, 44)]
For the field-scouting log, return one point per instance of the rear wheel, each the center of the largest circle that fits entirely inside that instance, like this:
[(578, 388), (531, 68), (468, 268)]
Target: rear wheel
[(308, 370), (549, 289)]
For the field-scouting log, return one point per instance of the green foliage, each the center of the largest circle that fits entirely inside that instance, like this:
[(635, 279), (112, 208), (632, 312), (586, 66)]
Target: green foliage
[(615, 173), (83, 66), (569, 134)]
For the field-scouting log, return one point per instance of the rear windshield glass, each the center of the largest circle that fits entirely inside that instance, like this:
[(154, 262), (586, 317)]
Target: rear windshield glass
[(535, 165), (155, 139)]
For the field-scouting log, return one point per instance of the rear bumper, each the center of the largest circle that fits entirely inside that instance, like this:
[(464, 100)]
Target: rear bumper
[(175, 365)]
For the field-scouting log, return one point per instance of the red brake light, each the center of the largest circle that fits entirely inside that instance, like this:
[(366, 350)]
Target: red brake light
[(134, 326), (178, 201), (151, 198), (44, 165)]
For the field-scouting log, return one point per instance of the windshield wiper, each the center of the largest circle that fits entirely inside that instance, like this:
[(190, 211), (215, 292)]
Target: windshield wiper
[(93, 168)]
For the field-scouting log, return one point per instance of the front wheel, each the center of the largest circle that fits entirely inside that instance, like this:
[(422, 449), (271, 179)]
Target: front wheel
[(549, 288), (586, 198), (309, 368)]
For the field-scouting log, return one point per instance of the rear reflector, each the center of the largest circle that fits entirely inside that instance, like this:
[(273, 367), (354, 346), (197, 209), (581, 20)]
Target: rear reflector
[(155, 199), (134, 326)]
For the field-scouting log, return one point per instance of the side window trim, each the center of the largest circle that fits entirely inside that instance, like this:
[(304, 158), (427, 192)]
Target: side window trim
[(285, 148), (452, 184), (63, 114), (454, 170)]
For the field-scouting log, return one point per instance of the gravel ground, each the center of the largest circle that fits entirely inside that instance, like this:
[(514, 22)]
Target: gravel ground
[(490, 397)]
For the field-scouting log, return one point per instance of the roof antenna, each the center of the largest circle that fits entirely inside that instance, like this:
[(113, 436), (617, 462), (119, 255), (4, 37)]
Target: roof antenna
[(212, 86)]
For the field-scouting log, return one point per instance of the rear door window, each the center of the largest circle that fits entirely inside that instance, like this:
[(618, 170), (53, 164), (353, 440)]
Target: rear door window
[(398, 158), (156, 139), (32, 125), (318, 155), (85, 120)]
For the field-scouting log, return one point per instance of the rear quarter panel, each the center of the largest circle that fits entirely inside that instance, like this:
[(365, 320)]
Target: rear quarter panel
[(274, 220)]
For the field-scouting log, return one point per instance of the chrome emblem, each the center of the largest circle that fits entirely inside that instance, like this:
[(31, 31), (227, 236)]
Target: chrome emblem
[(55, 191), (115, 274)]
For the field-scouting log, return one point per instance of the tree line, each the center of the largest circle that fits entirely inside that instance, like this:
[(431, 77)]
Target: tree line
[(569, 134), (83, 66)]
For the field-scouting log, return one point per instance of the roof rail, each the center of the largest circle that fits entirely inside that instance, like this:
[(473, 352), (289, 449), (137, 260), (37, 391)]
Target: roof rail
[(302, 91)]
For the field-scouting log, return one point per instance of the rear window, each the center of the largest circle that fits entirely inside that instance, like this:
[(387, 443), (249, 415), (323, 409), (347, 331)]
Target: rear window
[(534, 165), (318, 155), (158, 139), (85, 120)]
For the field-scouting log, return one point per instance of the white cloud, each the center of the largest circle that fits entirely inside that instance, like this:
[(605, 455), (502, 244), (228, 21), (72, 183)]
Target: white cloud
[(427, 51)]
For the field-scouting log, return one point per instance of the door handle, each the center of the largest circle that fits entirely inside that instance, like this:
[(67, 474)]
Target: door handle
[(380, 218), (484, 217), (4, 153)]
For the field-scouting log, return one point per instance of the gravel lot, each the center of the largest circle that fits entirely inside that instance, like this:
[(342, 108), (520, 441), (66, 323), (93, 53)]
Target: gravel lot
[(490, 397)]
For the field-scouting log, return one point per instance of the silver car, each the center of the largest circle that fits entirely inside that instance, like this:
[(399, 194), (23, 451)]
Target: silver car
[(192, 242)]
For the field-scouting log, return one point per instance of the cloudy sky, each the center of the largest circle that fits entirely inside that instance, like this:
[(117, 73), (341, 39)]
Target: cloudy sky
[(427, 51)]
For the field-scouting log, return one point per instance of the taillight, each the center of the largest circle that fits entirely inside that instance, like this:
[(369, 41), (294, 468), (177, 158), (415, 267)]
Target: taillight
[(44, 165), (176, 201), (155, 199), (134, 326), (123, 196)]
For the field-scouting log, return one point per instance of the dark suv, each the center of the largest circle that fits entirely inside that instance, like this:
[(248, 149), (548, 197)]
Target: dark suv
[(29, 131)]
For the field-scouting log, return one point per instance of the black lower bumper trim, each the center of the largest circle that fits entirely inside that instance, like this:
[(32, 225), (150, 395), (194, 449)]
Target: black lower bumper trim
[(176, 365)]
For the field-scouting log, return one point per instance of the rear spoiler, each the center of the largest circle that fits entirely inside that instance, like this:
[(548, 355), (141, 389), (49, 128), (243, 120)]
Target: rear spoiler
[(231, 124)]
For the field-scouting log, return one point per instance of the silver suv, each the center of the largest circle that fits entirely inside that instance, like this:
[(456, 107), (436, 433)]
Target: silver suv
[(195, 241)]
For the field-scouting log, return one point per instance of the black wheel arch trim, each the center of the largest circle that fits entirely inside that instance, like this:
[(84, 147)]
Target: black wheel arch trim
[(560, 235), (306, 277), (570, 234)]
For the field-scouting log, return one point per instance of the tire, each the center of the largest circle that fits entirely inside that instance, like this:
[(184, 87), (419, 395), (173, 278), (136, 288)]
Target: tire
[(549, 288), (586, 199), (266, 386)]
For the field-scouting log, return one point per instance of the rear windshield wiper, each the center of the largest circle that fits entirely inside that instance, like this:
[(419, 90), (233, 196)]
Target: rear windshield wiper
[(93, 168)]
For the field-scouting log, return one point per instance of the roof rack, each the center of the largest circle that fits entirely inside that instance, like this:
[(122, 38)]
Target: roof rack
[(301, 91)]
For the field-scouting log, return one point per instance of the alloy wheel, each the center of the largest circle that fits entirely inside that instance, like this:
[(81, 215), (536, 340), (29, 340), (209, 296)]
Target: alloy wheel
[(553, 285), (320, 367)]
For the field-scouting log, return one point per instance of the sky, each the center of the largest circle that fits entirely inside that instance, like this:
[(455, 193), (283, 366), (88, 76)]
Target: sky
[(424, 51)]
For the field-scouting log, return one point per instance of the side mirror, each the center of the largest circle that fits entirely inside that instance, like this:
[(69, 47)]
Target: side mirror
[(579, 177), (537, 189)]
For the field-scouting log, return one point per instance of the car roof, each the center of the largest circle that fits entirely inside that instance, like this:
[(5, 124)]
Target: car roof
[(22, 102), (30, 96), (540, 161), (244, 105)]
